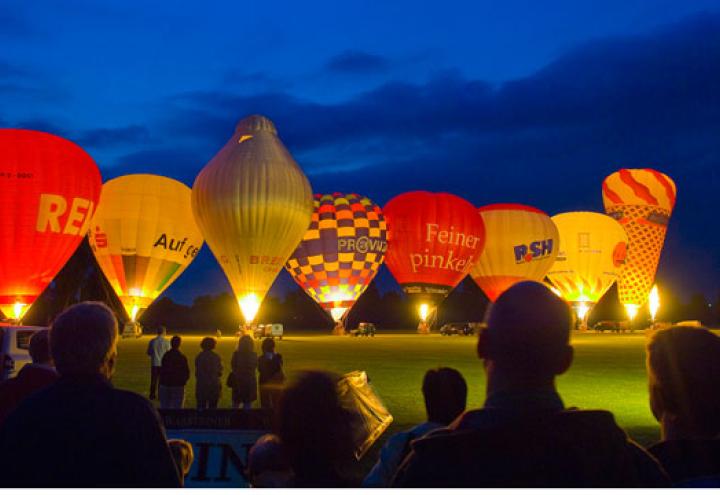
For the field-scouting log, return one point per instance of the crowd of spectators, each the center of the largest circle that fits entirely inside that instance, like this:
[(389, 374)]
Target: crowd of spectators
[(65, 425)]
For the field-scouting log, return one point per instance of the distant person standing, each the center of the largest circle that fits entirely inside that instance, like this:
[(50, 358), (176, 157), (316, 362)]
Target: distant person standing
[(271, 376), (156, 349), (208, 372), (174, 374), (243, 381)]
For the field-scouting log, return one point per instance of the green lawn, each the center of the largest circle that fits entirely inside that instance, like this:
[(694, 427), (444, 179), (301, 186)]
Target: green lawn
[(608, 371)]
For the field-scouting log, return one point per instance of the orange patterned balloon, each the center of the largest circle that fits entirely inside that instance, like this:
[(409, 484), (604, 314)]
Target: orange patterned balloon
[(642, 201)]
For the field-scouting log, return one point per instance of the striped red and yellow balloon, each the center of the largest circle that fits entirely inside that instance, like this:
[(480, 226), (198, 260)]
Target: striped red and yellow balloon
[(642, 201), (341, 251), (143, 236)]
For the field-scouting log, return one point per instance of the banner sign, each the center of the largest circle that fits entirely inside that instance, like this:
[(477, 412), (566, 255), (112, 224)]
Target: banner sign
[(221, 440)]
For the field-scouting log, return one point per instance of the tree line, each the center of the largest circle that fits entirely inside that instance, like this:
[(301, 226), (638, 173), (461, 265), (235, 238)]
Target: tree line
[(82, 280)]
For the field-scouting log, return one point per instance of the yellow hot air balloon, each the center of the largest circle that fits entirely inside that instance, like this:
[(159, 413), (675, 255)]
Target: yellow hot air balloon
[(520, 244), (642, 201), (253, 204), (143, 236), (590, 258)]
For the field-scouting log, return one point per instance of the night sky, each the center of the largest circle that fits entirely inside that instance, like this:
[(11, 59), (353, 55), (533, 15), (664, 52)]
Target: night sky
[(513, 101)]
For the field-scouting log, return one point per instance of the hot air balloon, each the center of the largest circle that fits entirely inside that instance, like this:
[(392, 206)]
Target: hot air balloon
[(253, 204), (143, 236), (591, 256), (642, 201), (521, 244), (433, 241), (50, 188), (341, 252)]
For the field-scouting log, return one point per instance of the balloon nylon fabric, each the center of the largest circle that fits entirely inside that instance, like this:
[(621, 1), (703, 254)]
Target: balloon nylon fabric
[(341, 251), (253, 204), (50, 188), (434, 239), (642, 201), (591, 256), (521, 245), (144, 236)]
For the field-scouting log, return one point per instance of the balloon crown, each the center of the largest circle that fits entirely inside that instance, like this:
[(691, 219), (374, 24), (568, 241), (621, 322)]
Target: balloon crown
[(255, 123)]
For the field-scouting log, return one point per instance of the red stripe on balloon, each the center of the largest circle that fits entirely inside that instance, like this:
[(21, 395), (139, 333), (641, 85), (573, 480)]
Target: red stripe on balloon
[(640, 190), (663, 180), (610, 194)]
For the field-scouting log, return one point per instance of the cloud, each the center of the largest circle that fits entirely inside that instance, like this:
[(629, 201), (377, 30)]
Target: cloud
[(12, 24), (356, 63), (112, 137), (548, 139), (181, 164)]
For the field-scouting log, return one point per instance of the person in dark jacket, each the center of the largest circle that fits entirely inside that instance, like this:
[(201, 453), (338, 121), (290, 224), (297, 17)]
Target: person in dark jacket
[(80, 431), (208, 374), (445, 394), (244, 365), (683, 365), (31, 378), (316, 431), (270, 374), (524, 436), (174, 374)]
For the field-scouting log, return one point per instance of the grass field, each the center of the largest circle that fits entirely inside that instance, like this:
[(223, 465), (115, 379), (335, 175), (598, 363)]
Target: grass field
[(608, 371)]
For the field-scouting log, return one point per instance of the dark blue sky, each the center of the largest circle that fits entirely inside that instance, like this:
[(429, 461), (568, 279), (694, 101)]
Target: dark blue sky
[(524, 101)]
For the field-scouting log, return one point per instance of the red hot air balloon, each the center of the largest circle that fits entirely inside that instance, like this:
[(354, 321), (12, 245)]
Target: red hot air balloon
[(433, 241), (50, 188)]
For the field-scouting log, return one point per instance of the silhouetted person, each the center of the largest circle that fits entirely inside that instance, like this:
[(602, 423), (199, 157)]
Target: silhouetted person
[(524, 436), (182, 453), (31, 378), (316, 431), (268, 464), (208, 372), (244, 365), (80, 431), (157, 347), (683, 366), (445, 394), (174, 374), (270, 374)]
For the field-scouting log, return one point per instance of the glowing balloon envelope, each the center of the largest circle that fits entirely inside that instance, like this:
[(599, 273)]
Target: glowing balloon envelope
[(642, 201), (433, 241), (50, 188), (143, 236), (341, 252), (521, 244), (253, 204), (591, 256)]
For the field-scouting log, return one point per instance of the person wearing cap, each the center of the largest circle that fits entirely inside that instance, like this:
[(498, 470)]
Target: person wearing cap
[(524, 436)]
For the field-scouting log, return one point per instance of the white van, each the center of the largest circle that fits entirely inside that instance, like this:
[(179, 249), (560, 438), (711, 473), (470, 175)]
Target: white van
[(14, 345)]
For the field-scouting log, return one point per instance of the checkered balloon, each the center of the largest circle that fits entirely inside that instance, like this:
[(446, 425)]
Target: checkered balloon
[(341, 251)]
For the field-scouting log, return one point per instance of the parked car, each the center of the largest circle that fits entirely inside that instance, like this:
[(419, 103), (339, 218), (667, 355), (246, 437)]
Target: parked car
[(457, 328), (14, 345), (364, 329), (689, 323), (131, 329), (271, 330), (611, 325)]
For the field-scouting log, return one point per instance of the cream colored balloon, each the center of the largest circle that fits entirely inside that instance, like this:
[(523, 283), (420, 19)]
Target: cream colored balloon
[(253, 204)]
